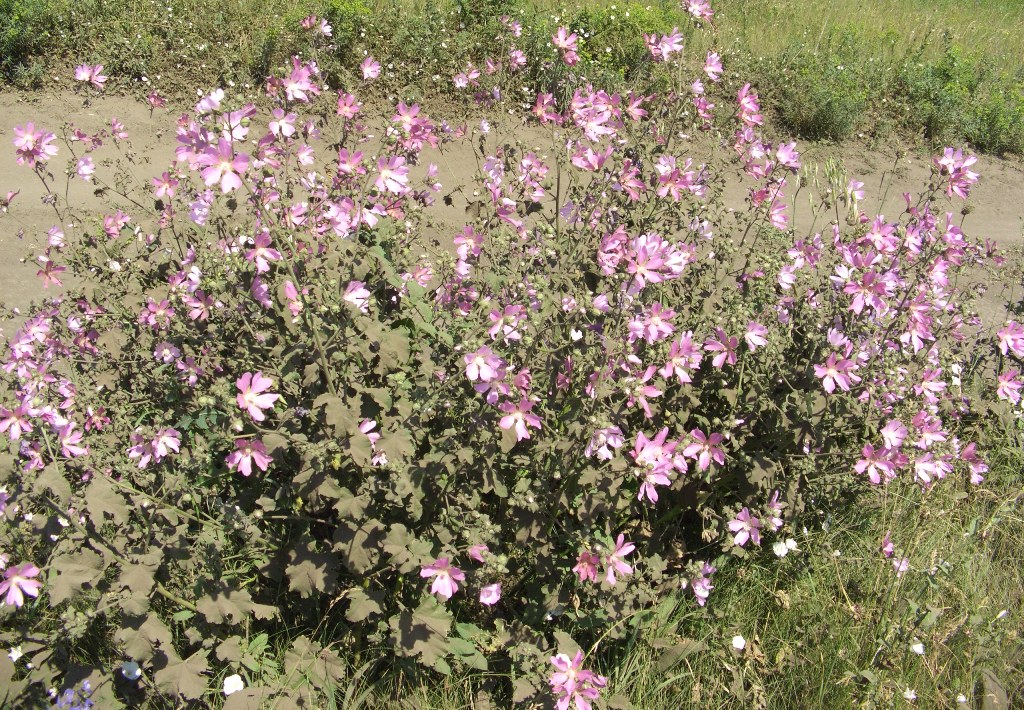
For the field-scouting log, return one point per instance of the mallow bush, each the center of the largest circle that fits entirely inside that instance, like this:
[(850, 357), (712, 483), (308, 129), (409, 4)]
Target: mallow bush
[(261, 441)]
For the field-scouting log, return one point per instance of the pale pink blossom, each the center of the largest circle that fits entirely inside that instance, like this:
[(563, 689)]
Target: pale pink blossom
[(253, 396), (19, 581), (446, 577)]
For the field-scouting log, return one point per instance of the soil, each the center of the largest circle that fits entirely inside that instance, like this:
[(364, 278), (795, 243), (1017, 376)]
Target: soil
[(996, 204)]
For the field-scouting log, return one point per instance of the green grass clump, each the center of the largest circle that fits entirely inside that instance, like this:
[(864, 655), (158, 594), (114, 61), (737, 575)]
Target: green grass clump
[(940, 71)]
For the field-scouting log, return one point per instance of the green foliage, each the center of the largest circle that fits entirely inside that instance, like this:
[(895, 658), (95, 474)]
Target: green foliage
[(959, 96), (821, 98), (612, 39), (24, 34)]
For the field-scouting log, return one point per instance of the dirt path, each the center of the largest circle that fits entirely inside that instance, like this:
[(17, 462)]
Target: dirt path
[(996, 204)]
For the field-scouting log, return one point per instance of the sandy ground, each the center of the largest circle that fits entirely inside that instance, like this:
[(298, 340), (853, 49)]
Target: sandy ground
[(996, 203)]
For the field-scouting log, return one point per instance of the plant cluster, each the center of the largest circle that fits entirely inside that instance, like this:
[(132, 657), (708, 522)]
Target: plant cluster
[(264, 410)]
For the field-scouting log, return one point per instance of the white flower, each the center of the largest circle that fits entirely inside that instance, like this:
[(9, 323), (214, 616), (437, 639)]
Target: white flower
[(961, 699), (739, 643), (918, 648), (15, 654), (131, 670), (910, 695), (781, 549), (232, 684), (575, 334)]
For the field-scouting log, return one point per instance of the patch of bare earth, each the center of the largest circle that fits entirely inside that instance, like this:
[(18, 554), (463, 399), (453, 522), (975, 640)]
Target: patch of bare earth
[(995, 209)]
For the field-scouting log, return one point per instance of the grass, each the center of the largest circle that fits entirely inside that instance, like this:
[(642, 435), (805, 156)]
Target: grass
[(937, 70)]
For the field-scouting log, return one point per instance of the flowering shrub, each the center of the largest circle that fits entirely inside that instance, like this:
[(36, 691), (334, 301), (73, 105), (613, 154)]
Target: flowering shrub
[(261, 411)]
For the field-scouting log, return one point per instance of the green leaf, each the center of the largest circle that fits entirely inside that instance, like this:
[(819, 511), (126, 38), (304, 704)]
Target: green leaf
[(359, 545), (565, 643), (103, 499), (142, 636), (230, 649), (230, 605), (508, 439), (184, 677), (72, 571), (308, 662), (338, 414), (394, 349), (139, 576), (405, 551), (50, 479), (360, 449), (461, 647), (310, 571), (363, 604), (423, 632), (398, 445)]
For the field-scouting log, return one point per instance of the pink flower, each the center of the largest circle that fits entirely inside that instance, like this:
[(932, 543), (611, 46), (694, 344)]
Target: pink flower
[(875, 464), (518, 416), (358, 295), (700, 583), (700, 9), (163, 442), (250, 394), (477, 552), (749, 106), (91, 74), (755, 335), (901, 565), (894, 433), (725, 347), (484, 365), (446, 577), (490, 594), (223, 166), (615, 563), (601, 440), (1011, 339), (299, 86), (246, 453), (713, 66), (164, 186), (888, 549), (746, 527), (586, 566), (370, 68), (394, 175), (1009, 387), (348, 106), (573, 684), (835, 372), (565, 40), (954, 165), (18, 581), (705, 449), (683, 358), (85, 168), (69, 440), (32, 146), (262, 253)]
